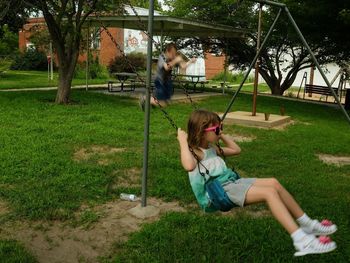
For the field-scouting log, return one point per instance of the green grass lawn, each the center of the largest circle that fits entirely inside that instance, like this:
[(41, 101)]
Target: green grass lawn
[(14, 79), (12, 252), (40, 180)]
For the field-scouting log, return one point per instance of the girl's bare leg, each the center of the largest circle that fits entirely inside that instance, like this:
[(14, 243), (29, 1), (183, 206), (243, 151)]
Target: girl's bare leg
[(270, 195), (286, 197)]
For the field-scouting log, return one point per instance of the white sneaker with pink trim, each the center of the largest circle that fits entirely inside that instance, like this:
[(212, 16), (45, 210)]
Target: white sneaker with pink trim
[(325, 228), (312, 245)]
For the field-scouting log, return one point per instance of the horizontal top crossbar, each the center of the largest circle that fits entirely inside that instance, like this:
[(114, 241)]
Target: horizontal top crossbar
[(170, 26)]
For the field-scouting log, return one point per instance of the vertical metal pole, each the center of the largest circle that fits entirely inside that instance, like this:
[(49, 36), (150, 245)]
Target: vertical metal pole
[(256, 76), (87, 58), (316, 62), (147, 106), (51, 61), (161, 37), (48, 70), (311, 81), (225, 69), (252, 64)]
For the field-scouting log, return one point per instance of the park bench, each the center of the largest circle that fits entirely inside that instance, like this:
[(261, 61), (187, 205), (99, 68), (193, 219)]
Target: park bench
[(317, 89)]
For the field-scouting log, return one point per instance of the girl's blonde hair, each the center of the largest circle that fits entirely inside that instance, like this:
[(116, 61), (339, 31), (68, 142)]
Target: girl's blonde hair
[(197, 123)]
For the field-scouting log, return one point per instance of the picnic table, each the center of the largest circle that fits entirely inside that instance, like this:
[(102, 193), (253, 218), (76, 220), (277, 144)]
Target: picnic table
[(122, 77), (191, 80)]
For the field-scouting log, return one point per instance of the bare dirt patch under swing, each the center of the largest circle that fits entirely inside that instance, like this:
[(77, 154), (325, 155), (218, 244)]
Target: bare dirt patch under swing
[(3, 208), (129, 178), (61, 242), (335, 160), (103, 154), (242, 138)]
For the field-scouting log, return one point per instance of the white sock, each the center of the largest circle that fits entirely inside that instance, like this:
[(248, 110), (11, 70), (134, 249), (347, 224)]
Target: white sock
[(304, 220), (298, 235)]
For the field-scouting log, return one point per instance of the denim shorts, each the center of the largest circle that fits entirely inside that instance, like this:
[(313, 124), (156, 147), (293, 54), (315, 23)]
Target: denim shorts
[(163, 90)]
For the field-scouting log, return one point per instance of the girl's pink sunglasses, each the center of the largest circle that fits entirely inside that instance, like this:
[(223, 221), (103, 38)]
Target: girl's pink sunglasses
[(216, 129)]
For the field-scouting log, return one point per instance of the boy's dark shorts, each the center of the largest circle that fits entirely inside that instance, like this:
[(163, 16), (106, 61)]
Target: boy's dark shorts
[(163, 90)]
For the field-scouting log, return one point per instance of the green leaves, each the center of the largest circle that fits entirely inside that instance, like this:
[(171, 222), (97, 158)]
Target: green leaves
[(325, 26), (8, 42)]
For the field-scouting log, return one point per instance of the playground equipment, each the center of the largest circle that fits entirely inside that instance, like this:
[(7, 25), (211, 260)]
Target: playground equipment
[(282, 8)]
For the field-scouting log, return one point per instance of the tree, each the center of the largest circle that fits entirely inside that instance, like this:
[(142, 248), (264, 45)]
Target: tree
[(65, 20), (8, 42), (323, 25), (13, 18), (145, 4)]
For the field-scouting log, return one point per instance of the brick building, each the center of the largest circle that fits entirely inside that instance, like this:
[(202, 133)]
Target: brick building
[(130, 40)]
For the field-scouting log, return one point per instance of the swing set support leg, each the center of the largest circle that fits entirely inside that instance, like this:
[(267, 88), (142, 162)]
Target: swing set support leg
[(283, 7), (316, 62), (252, 64), (147, 106)]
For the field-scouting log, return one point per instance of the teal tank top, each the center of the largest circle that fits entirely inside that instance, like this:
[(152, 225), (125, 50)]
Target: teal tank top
[(217, 168)]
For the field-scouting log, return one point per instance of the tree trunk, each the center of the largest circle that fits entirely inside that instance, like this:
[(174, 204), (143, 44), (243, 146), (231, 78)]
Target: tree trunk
[(276, 89), (64, 86), (273, 82), (66, 73)]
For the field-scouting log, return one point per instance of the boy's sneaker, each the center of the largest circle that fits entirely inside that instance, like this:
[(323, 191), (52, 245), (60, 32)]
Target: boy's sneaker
[(312, 245), (316, 228), (142, 102)]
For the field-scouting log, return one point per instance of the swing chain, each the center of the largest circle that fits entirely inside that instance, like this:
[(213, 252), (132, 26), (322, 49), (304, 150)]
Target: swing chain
[(142, 27), (165, 113), (199, 163), (188, 95)]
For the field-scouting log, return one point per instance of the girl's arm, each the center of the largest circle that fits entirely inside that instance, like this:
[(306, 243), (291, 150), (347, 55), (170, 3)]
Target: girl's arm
[(231, 148), (187, 159)]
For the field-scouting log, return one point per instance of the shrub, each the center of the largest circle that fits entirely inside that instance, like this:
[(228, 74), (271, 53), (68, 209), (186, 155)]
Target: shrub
[(5, 64), (96, 71), (31, 59), (231, 77), (8, 42), (119, 64)]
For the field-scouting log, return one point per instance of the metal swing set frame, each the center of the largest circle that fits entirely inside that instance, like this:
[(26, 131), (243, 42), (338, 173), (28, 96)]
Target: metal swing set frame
[(282, 8)]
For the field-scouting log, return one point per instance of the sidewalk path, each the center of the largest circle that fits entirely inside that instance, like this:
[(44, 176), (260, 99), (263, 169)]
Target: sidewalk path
[(104, 86), (94, 86)]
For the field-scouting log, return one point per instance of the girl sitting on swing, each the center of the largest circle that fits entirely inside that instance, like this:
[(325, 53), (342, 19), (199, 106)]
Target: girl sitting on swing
[(204, 132)]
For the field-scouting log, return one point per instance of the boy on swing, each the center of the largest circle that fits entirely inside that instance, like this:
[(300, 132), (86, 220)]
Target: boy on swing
[(163, 82)]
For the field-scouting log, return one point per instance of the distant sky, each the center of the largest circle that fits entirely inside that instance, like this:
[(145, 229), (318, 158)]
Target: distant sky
[(165, 7)]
